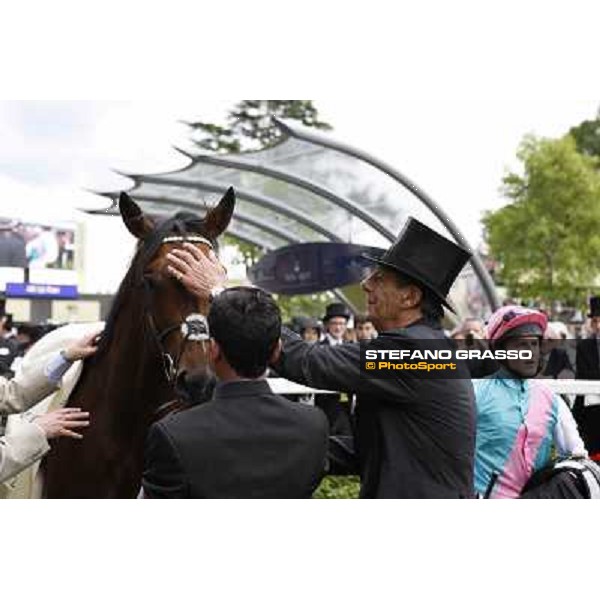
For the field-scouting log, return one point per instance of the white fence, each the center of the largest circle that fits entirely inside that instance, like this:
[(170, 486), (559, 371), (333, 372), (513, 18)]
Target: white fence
[(569, 387)]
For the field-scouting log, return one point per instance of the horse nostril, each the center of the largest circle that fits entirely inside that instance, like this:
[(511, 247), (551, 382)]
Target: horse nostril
[(194, 388)]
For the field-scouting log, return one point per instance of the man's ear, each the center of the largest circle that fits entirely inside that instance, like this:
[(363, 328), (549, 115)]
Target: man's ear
[(411, 296), (276, 353), (214, 351)]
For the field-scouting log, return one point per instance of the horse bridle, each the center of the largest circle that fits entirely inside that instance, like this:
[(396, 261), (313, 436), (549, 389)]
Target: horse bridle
[(194, 327)]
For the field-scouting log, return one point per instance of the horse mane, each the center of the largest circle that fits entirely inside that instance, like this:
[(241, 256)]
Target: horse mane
[(181, 223)]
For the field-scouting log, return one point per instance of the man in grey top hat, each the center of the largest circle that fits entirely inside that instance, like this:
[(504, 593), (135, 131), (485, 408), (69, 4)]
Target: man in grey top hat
[(415, 436)]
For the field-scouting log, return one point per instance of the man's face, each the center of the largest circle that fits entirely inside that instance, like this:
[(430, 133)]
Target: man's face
[(310, 335), (474, 326), (383, 297), (365, 331), (529, 367), (595, 325), (336, 326)]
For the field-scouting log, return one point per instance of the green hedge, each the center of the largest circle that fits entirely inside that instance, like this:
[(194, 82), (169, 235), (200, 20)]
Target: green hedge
[(337, 486)]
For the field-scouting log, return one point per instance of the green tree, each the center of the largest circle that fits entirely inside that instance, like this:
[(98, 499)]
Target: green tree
[(249, 125), (249, 253), (309, 305), (587, 136), (547, 239)]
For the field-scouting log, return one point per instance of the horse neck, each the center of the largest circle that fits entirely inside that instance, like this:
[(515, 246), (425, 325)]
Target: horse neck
[(131, 367)]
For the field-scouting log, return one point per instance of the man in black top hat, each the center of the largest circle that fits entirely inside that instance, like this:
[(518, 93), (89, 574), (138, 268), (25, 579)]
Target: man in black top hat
[(415, 435), (588, 367), (336, 408), (336, 322)]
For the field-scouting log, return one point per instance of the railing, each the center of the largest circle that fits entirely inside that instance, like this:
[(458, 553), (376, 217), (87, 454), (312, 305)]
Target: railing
[(569, 387)]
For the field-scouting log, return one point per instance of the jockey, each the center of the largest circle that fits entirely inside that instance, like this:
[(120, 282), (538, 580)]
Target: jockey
[(520, 421), (20, 449)]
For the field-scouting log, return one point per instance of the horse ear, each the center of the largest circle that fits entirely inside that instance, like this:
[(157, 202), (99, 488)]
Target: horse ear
[(135, 220), (217, 218)]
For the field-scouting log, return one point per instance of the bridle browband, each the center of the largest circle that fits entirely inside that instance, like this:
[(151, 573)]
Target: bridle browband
[(194, 328), (190, 238)]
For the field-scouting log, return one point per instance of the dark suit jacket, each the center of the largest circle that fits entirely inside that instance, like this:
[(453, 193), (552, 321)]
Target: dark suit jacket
[(415, 436), (245, 443), (587, 361), (588, 417)]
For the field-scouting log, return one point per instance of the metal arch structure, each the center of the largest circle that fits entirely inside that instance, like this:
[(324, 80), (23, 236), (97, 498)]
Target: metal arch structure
[(292, 179), (243, 237), (258, 199), (238, 216), (320, 140), (231, 230), (305, 186)]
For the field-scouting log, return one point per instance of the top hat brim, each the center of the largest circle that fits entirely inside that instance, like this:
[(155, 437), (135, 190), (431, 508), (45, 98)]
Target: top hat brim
[(416, 276)]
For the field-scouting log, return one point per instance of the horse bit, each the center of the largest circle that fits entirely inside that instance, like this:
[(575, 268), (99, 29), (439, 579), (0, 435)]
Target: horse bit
[(194, 327)]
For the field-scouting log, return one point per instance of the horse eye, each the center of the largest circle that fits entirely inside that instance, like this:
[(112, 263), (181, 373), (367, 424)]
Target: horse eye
[(152, 280)]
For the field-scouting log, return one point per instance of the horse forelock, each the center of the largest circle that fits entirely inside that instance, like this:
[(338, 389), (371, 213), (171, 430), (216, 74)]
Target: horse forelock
[(182, 223)]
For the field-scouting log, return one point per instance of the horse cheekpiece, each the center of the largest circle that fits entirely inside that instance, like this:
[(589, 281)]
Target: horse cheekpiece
[(195, 328)]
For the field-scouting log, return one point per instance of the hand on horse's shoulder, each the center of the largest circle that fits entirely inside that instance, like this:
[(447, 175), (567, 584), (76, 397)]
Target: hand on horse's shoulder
[(84, 347), (62, 422)]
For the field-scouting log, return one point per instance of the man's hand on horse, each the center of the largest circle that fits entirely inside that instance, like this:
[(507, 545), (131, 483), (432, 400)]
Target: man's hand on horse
[(62, 422), (84, 347), (198, 272)]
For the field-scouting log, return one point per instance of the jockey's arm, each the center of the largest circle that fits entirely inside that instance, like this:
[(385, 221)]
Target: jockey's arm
[(566, 435)]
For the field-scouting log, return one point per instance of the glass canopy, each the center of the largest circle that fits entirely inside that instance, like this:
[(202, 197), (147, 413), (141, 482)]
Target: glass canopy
[(308, 188)]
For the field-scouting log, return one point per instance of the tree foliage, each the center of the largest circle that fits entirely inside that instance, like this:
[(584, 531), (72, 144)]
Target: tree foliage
[(249, 125), (307, 305), (547, 239), (587, 136), (249, 253)]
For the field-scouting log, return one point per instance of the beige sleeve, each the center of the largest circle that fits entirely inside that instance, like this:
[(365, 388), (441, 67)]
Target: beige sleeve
[(23, 391), (21, 448)]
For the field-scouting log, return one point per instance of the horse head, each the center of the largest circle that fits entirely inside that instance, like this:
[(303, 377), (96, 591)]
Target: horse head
[(175, 319)]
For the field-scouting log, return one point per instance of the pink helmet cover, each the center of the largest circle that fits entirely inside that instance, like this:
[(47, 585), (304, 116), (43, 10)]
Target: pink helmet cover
[(510, 317)]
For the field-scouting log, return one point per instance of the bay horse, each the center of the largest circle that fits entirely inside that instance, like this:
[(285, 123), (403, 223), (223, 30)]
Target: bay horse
[(154, 340)]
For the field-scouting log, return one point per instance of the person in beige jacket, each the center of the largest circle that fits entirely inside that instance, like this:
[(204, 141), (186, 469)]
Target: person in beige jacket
[(30, 443)]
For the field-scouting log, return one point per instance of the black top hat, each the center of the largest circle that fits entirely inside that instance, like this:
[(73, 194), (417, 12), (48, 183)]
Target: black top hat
[(337, 309), (426, 257), (594, 306)]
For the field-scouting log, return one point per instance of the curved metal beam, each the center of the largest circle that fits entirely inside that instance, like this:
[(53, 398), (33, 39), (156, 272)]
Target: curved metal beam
[(258, 199), (321, 140), (305, 184), (241, 217), (260, 243), (114, 212)]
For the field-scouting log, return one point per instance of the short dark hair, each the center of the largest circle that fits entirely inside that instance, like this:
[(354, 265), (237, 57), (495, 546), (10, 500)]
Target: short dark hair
[(361, 320), (431, 306), (246, 323)]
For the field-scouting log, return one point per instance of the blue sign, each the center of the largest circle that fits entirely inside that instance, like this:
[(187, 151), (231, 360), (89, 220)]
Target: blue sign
[(312, 267), (41, 290)]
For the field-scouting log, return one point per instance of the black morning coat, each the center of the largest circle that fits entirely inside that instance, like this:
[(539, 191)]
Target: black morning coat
[(588, 417), (245, 443), (415, 436)]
